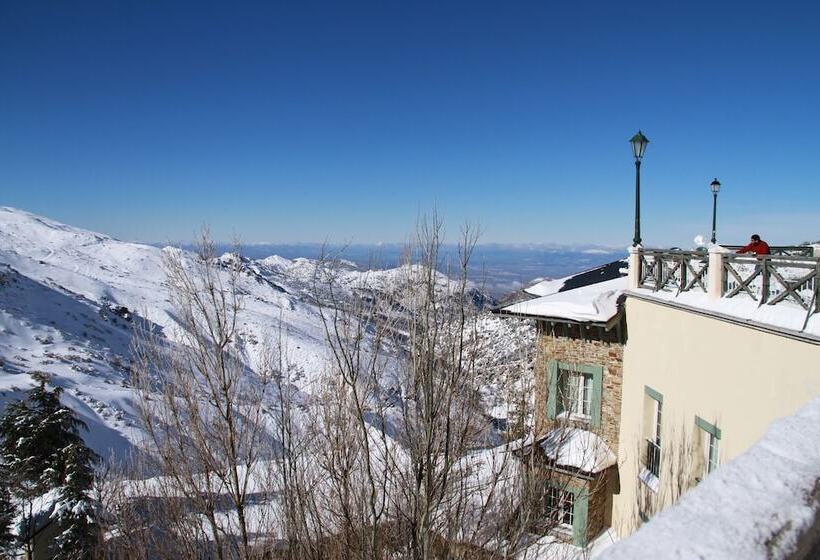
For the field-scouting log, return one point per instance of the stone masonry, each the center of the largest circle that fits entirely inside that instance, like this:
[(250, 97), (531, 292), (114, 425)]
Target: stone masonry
[(568, 346)]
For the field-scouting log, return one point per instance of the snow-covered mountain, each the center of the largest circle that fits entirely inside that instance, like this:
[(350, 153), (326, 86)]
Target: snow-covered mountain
[(69, 297)]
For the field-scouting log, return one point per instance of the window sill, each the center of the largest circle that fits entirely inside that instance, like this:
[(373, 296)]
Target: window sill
[(574, 417), (563, 530), (650, 480)]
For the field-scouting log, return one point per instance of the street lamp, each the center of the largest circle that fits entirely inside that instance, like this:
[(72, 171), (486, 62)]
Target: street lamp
[(715, 186), (639, 142)]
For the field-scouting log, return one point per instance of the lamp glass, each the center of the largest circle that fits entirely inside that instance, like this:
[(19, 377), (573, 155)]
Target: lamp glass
[(639, 142), (715, 186)]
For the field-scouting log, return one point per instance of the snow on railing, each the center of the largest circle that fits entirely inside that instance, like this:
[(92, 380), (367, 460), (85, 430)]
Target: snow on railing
[(773, 279), (783, 277)]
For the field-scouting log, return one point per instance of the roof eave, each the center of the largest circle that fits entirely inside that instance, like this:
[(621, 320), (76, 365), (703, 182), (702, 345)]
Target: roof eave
[(515, 315)]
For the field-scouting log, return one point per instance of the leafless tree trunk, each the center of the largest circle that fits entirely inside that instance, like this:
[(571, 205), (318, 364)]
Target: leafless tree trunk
[(401, 438), (202, 407), (388, 457)]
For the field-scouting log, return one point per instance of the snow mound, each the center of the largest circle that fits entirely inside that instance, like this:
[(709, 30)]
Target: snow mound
[(579, 449), (764, 505)]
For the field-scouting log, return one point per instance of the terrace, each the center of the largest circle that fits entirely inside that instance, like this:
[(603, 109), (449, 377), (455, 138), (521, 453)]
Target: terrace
[(781, 289)]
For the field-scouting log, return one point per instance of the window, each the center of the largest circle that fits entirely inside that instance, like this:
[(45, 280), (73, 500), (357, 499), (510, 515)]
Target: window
[(653, 414), (575, 391), (560, 506), (710, 437), (567, 511)]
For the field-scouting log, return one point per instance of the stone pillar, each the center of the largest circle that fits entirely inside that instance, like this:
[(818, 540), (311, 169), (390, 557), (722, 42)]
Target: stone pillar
[(634, 267), (714, 285)]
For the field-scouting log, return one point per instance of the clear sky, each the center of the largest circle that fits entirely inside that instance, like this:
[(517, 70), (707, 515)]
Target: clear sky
[(305, 121)]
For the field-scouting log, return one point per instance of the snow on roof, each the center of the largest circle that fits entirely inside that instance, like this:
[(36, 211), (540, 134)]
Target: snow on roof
[(546, 287), (784, 315), (595, 302), (602, 273), (579, 449), (762, 505)]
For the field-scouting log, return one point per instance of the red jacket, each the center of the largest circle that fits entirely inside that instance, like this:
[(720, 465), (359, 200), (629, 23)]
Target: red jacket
[(756, 247)]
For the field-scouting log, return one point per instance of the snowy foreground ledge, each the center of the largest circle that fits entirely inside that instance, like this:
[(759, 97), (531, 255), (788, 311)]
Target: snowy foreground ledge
[(763, 505)]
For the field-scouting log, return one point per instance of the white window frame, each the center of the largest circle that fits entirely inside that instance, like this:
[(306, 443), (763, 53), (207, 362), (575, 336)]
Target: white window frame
[(565, 500), (654, 439), (712, 455), (712, 447), (579, 397)]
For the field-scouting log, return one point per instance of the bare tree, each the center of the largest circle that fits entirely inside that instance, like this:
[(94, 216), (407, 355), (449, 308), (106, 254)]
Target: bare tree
[(402, 439), (202, 407), (391, 455)]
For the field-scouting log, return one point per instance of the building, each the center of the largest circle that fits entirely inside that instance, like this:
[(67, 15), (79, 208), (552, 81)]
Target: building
[(720, 346), (678, 367), (578, 377)]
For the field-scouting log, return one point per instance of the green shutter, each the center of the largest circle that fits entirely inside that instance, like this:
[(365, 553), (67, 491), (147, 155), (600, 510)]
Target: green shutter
[(652, 393), (579, 518), (552, 372), (707, 427), (597, 394)]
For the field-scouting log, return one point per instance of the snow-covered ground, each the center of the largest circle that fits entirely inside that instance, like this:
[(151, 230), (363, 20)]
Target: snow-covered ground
[(762, 505), (61, 311)]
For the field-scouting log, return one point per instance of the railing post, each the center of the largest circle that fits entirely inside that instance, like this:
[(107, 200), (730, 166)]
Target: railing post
[(816, 252), (683, 273), (765, 279), (714, 286), (817, 286), (660, 268), (634, 267)]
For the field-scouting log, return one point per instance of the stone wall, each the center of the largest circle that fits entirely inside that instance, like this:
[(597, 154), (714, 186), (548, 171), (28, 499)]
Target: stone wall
[(573, 345)]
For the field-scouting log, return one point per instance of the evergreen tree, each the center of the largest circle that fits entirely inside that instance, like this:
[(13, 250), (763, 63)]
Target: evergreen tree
[(42, 451), (76, 510), (7, 512)]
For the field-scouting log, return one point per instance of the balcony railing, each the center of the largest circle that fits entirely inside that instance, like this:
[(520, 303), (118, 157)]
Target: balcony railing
[(679, 271), (653, 457), (771, 279), (790, 275)]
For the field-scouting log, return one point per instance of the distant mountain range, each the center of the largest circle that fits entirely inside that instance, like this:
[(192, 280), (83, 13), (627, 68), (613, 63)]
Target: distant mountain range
[(69, 299), (499, 268)]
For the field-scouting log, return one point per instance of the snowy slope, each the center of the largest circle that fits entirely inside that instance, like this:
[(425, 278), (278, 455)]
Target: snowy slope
[(60, 284), (59, 300)]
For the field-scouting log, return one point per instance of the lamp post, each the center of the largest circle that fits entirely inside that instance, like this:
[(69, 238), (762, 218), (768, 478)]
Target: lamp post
[(639, 142), (715, 186)]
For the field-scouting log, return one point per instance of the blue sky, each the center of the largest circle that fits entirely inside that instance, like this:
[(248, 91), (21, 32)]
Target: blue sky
[(306, 121)]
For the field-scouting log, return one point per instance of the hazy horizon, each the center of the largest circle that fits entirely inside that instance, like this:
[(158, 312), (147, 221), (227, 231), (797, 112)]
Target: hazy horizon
[(499, 269)]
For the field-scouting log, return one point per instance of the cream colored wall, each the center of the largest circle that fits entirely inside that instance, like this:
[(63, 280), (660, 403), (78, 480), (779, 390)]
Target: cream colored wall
[(737, 378)]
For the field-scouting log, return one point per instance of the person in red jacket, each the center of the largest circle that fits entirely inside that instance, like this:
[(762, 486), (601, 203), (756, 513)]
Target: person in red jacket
[(757, 246)]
